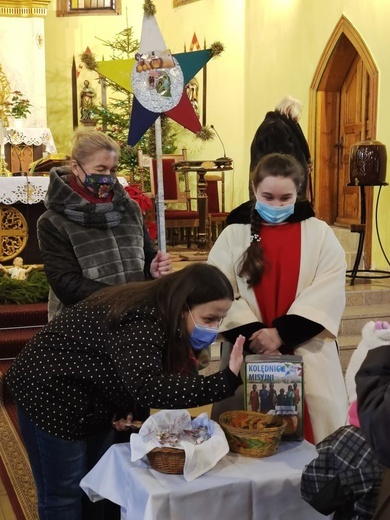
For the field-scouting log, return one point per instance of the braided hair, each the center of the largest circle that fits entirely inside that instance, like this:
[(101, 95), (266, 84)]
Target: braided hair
[(251, 265)]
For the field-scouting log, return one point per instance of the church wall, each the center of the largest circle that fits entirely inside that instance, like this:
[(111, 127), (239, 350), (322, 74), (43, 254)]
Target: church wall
[(26, 75), (285, 41), (272, 49)]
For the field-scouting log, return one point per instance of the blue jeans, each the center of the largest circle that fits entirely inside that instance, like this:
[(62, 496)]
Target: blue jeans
[(58, 465)]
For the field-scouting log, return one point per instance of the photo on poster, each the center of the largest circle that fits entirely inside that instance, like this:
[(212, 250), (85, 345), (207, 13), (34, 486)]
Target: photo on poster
[(274, 386)]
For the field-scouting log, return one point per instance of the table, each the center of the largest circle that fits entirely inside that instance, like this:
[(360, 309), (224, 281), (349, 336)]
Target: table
[(31, 137), (236, 488), (21, 205), (361, 229), (24, 189), (22, 146), (28, 189)]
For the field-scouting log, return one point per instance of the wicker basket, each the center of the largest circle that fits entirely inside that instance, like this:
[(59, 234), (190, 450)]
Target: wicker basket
[(167, 460), (252, 434)]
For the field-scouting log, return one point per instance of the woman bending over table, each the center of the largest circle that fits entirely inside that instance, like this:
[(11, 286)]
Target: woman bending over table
[(125, 346)]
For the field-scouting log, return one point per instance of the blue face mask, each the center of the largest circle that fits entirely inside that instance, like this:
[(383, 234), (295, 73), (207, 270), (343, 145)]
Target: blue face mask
[(202, 336), (274, 214)]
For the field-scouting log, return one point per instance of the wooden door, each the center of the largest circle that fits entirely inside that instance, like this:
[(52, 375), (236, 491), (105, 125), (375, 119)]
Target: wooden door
[(353, 124), (343, 111)]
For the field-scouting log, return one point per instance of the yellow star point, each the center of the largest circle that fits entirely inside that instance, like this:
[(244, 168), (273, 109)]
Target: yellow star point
[(118, 71)]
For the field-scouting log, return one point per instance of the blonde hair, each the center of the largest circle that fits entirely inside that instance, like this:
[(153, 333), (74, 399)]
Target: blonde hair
[(88, 141), (290, 107)]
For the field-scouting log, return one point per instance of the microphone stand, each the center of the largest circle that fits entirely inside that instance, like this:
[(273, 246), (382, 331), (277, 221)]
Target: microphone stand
[(221, 160)]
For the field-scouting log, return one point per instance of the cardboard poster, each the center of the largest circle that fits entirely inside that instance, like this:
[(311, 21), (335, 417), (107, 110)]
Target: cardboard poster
[(274, 385)]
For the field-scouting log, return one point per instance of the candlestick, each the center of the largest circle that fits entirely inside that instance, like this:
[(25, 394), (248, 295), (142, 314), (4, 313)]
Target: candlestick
[(4, 172), (139, 155)]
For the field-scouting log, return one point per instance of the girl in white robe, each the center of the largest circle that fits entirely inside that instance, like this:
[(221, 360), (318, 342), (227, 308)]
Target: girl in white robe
[(294, 303)]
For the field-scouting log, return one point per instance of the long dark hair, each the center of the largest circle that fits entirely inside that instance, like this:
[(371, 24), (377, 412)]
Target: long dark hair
[(251, 265), (171, 295)]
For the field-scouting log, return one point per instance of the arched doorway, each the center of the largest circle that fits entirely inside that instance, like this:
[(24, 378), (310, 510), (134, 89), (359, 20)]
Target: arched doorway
[(342, 111)]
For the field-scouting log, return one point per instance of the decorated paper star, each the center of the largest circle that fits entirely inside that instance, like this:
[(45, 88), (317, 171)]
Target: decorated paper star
[(117, 71), (182, 111), (157, 79)]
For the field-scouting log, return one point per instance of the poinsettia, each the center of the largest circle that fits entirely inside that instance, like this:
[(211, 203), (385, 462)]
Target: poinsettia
[(135, 192), (152, 229), (146, 204)]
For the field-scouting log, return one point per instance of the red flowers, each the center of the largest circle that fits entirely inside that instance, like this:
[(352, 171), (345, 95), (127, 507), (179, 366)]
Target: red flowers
[(146, 204)]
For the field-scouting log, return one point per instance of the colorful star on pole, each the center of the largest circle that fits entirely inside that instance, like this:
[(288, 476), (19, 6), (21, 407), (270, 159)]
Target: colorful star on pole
[(158, 82), (142, 117), (157, 79)]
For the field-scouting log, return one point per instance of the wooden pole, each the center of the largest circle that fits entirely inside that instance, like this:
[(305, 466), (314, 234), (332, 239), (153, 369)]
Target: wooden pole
[(75, 107)]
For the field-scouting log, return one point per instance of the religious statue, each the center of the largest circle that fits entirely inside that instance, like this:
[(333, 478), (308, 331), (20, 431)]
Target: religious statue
[(17, 272), (86, 103)]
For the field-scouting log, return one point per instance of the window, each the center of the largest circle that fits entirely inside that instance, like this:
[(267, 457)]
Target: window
[(83, 7)]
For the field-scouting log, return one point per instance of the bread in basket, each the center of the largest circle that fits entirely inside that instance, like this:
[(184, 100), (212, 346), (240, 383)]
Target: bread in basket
[(252, 434)]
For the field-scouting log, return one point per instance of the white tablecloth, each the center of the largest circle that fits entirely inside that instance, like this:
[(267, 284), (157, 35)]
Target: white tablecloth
[(237, 488), (31, 136), (27, 189)]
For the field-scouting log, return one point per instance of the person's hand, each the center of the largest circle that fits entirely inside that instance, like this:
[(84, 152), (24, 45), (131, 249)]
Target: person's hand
[(122, 425), (236, 357), (161, 265), (265, 341)]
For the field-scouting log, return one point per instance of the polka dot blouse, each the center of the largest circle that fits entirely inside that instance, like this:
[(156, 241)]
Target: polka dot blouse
[(76, 374)]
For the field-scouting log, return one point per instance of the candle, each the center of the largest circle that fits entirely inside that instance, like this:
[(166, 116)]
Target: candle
[(139, 152), (1, 137)]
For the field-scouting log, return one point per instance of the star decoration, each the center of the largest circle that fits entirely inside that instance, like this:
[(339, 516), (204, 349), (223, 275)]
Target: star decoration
[(117, 71), (169, 97)]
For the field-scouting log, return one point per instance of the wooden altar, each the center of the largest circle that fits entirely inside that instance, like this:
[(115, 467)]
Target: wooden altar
[(25, 145), (21, 205)]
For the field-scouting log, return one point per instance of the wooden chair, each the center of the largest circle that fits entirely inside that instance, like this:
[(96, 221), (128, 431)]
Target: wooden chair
[(216, 203), (181, 221)]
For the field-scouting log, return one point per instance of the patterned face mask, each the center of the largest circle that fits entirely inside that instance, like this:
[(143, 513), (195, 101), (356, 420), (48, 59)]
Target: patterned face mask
[(100, 185), (97, 184)]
